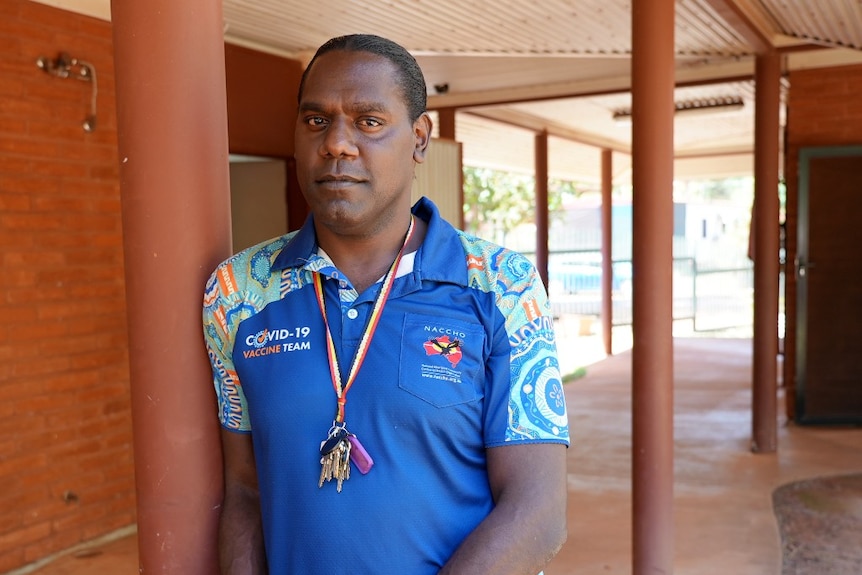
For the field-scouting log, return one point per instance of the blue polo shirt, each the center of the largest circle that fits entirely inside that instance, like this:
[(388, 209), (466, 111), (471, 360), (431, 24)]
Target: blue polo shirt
[(463, 359)]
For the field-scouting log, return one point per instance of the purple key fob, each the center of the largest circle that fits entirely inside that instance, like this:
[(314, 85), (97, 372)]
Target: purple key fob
[(359, 456)]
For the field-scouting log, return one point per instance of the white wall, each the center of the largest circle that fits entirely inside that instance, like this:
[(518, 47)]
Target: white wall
[(257, 200), (439, 179)]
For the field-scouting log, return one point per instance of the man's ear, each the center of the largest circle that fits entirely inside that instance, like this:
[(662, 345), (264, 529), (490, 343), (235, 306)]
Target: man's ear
[(422, 131)]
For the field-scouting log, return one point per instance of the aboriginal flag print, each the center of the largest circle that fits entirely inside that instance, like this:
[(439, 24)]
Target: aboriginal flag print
[(444, 347)]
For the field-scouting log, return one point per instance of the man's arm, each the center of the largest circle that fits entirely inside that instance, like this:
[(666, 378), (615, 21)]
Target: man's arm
[(528, 524), (241, 549)]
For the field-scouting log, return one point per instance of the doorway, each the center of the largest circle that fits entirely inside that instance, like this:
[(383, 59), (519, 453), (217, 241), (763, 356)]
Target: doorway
[(828, 269)]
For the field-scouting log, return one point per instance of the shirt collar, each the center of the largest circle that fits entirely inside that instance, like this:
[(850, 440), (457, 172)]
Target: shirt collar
[(433, 260), (301, 247)]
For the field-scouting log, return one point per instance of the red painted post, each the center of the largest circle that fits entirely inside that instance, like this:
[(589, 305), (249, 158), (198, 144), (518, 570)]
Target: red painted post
[(446, 119), (652, 262), (767, 130), (173, 149), (542, 217), (607, 251)]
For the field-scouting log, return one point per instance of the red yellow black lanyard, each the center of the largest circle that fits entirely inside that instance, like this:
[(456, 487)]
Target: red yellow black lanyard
[(341, 388)]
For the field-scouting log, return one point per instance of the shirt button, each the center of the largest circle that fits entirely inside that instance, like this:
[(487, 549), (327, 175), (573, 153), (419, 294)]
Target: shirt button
[(352, 313), (343, 284)]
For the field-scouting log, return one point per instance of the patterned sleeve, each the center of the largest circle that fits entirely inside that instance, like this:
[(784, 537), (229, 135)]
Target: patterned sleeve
[(536, 404), (222, 303)]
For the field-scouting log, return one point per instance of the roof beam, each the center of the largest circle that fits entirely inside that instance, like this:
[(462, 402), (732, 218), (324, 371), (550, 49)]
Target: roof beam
[(530, 93), (537, 124), (715, 152), (748, 21), (826, 58), (726, 71)]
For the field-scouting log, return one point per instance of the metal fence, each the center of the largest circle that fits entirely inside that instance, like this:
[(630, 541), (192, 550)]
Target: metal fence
[(712, 298)]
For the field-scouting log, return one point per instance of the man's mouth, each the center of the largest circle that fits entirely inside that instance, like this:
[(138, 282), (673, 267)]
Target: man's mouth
[(338, 179)]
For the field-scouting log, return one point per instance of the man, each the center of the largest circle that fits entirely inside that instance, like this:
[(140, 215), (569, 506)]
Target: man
[(388, 386)]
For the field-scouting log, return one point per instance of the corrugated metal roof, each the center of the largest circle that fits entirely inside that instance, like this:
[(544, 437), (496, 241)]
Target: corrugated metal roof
[(701, 31), (455, 27), (497, 53), (828, 22), (560, 65)]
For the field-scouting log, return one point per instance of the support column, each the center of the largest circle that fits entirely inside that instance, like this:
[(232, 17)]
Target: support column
[(767, 75), (446, 129), (173, 150), (607, 251), (652, 260), (446, 119), (542, 218)]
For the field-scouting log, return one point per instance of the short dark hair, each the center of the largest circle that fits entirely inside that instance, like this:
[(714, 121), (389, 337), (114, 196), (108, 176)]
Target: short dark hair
[(411, 80)]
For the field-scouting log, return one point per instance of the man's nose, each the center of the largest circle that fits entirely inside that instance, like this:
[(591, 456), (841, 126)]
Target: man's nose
[(339, 140)]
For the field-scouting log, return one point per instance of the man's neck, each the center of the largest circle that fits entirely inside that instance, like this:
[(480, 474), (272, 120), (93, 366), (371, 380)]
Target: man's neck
[(365, 260)]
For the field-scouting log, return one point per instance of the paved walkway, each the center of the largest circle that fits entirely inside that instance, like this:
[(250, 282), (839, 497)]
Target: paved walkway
[(723, 509)]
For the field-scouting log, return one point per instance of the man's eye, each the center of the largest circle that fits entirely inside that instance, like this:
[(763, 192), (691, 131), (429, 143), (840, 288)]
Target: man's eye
[(370, 123), (315, 121)]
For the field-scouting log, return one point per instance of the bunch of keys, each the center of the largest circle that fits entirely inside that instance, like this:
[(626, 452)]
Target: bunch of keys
[(335, 457), (337, 451)]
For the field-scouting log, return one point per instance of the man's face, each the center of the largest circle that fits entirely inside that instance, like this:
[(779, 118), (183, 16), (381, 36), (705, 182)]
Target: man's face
[(355, 144)]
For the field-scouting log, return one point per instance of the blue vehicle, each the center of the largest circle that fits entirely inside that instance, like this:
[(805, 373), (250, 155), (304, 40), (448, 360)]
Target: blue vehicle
[(574, 277)]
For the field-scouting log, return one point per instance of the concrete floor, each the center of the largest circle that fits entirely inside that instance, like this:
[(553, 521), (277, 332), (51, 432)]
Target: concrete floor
[(723, 507)]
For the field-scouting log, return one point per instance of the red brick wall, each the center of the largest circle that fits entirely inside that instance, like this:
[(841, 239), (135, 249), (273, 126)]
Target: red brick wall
[(825, 109), (66, 472)]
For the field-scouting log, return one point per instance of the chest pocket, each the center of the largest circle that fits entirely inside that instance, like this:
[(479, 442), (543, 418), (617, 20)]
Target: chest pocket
[(442, 360)]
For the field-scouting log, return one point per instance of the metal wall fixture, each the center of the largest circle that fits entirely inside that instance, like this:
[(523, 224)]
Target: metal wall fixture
[(64, 66)]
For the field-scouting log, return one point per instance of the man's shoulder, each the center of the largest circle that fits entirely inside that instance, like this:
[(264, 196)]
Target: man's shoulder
[(252, 268), (473, 243), (488, 263)]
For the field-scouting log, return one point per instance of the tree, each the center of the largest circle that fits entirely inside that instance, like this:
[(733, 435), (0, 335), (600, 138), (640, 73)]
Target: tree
[(495, 202)]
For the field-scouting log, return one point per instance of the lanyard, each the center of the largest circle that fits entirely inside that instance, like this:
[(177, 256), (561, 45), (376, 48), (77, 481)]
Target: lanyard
[(341, 389)]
